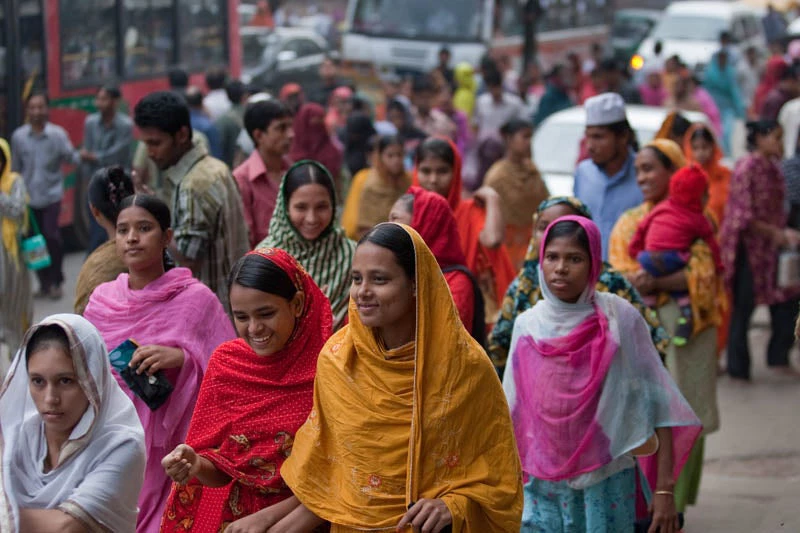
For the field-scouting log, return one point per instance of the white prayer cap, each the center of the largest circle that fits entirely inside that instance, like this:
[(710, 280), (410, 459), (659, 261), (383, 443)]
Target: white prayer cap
[(604, 109)]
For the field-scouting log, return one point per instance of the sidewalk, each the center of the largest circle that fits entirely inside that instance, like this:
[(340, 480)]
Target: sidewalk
[(751, 480)]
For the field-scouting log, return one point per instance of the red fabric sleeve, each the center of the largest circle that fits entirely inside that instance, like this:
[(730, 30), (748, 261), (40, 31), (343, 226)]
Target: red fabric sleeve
[(463, 295)]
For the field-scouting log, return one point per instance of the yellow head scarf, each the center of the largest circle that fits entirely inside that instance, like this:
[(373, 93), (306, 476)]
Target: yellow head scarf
[(428, 420), (671, 150), (9, 228)]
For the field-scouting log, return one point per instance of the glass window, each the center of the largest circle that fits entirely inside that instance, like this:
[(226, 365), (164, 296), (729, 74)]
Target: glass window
[(32, 53), (3, 76), (507, 19), (202, 33), (147, 36), (419, 19), (88, 41), (690, 28), (307, 47)]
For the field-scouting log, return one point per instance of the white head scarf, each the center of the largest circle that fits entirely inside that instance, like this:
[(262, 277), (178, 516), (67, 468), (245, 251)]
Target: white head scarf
[(101, 466)]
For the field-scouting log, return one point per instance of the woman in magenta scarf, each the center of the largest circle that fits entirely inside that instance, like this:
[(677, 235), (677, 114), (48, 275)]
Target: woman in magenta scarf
[(177, 323), (587, 391)]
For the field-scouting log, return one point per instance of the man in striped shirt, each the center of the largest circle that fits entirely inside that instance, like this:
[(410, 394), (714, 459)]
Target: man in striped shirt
[(207, 214)]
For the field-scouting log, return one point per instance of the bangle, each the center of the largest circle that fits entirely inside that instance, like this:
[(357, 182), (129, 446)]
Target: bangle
[(664, 493)]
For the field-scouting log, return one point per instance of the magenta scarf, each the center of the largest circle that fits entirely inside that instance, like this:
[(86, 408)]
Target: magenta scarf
[(566, 421), (175, 310), (562, 378)]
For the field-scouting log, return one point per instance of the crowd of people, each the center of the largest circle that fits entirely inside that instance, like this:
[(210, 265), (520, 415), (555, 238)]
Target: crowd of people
[(296, 307)]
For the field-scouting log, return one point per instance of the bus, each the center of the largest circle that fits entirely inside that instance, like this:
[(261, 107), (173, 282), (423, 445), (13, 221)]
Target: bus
[(72, 47), (407, 35)]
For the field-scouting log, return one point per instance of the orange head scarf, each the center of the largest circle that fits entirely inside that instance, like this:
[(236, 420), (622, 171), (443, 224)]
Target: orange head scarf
[(386, 431), (719, 176)]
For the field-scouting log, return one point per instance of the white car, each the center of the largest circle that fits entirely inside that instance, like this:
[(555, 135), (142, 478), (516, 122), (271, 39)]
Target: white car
[(691, 31), (556, 144)]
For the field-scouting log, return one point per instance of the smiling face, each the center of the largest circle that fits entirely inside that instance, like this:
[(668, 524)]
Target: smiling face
[(55, 390), (652, 176), (383, 293), (265, 321), (310, 210), (566, 266), (435, 174), (140, 240)]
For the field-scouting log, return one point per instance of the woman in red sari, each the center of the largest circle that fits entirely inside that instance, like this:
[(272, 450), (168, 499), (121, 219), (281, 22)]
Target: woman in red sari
[(257, 392), (430, 215), (480, 221)]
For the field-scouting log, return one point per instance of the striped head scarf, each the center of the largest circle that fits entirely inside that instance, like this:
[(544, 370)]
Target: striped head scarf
[(327, 258)]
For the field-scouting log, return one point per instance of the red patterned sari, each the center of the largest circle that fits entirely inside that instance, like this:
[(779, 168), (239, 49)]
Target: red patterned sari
[(247, 414)]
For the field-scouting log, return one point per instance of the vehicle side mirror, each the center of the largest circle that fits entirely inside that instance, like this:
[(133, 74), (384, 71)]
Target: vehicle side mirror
[(287, 55)]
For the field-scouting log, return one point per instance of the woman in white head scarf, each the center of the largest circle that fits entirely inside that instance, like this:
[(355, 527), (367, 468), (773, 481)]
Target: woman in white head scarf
[(72, 445)]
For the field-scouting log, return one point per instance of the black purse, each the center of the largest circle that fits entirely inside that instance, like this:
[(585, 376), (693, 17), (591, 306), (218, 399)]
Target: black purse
[(153, 390)]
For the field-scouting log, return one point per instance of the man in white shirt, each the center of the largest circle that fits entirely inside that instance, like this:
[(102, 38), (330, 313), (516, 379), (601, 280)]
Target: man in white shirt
[(495, 107), (216, 102)]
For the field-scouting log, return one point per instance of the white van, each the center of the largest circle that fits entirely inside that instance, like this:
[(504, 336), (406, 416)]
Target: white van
[(691, 31)]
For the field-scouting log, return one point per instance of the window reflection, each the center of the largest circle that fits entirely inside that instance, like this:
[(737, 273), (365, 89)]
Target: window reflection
[(202, 26), (147, 36), (88, 41)]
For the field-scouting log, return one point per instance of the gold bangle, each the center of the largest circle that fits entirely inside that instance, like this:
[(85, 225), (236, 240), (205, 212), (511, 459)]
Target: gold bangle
[(664, 493)]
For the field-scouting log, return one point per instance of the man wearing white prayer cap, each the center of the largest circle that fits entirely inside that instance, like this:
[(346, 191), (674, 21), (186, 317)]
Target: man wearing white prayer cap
[(606, 182)]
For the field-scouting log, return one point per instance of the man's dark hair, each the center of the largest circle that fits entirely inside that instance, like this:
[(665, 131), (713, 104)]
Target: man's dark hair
[(259, 115), (215, 78), (37, 92), (235, 90), (194, 97), (112, 91), (178, 78), (725, 37), (493, 78), (163, 110)]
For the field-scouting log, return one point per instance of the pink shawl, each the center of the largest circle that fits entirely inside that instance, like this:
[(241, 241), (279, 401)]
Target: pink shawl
[(175, 310), (567, 422)]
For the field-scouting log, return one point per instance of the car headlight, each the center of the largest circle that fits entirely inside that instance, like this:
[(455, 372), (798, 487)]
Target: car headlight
[(637, 62)]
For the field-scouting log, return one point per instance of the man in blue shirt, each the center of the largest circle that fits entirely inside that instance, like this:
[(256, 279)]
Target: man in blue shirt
[(606, 182), (202, 122)]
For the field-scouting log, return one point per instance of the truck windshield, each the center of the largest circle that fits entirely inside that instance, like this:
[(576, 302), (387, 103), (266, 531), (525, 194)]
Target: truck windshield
[(430, 20)]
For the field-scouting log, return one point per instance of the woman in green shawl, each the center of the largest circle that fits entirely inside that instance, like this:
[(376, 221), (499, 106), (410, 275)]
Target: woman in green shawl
[(304, 224), (525, 292)]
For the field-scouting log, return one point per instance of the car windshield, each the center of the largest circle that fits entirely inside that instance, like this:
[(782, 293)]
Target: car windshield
[(448, 20), (254, 46), (631, 28), (690, 28)]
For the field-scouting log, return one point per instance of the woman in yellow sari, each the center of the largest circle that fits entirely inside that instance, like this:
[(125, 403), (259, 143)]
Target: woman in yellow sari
[(374, 191), (16, 304), (409, 426), (694, 365)]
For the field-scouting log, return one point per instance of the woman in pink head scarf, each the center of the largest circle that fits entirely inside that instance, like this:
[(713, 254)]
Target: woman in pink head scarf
[(339, 108), (588, 392)]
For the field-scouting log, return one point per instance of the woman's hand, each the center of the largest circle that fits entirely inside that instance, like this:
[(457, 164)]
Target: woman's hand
[(643, 282), (152, 358), (182, 464), (486, 195), (790, 238), (665, 517), (427, 516), (259, 522)]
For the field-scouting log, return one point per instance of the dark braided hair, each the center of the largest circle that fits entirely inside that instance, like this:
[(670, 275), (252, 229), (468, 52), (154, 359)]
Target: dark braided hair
[(108, 187)]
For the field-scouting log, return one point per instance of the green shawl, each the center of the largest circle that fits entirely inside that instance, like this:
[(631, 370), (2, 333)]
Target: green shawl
[(327, 259)]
